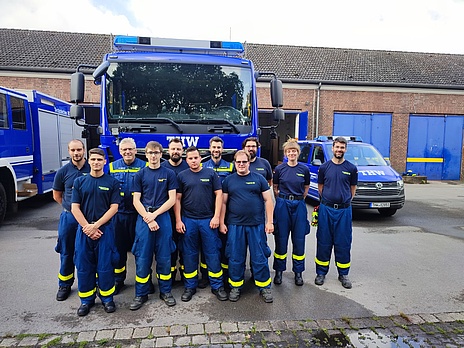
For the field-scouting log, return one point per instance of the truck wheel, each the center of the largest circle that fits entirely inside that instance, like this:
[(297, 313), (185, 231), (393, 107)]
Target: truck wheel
[(387, 211), (2, 202)]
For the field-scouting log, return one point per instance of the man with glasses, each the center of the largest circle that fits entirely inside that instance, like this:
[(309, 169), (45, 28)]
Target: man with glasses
[(257, 164), (124, 170), (154, 194), (67, 227), (247, 199)]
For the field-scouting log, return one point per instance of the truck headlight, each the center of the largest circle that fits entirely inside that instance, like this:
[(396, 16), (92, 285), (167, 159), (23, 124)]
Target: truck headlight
[(400, 184)]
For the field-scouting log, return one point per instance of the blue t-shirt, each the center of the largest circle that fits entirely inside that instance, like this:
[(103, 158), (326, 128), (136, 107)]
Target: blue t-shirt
[(95, 195), (223, 168), (261, 166), (198, 198), (64, 180), (245, 203), (154, 185), (292, 180), (125, 175), (337, 180), (176, 169)]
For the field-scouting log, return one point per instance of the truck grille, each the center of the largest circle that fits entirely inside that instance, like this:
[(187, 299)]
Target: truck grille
[(372, 189)]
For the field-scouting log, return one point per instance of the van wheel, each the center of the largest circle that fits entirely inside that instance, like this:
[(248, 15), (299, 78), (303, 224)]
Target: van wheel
[(387, 211), (3, 202)]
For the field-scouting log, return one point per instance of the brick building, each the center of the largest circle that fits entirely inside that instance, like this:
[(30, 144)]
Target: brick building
[(417, 94)]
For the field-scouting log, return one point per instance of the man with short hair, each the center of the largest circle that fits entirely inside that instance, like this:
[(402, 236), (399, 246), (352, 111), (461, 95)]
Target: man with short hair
[(257, 164), (247, 198), (198, 207), (67, 227), (337, 181), (176, 164), (154, 194), (124, 170), (95, 201)]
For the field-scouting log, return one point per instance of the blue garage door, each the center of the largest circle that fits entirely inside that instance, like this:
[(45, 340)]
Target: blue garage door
[(372, 128), (435, 146)]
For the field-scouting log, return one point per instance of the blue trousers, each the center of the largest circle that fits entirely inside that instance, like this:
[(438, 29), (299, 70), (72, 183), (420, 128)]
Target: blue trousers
[(96, 258), (148, 243), (198, 231), (334, 231), (290, 217), (239, 237), (65, 245), (124, 229)]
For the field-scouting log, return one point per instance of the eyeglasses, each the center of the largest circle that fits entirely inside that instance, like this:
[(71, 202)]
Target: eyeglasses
[(151, 153), (241, 162), (128, 149)]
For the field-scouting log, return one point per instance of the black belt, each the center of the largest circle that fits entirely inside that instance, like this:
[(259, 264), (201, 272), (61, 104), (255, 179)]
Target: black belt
[(291, 197), (336, 205)]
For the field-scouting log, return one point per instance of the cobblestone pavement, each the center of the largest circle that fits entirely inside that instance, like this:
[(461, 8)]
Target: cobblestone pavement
[(419, 330)]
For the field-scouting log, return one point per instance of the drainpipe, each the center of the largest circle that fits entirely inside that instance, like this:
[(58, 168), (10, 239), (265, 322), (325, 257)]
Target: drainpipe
[(318, 96)]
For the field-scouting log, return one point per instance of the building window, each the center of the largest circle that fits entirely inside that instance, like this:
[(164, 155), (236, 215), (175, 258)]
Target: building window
[(3, 112)]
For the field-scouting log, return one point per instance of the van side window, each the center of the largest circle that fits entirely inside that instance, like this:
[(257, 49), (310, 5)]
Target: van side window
[(304, 155), (3, 112), (18, 112), (318, 153)]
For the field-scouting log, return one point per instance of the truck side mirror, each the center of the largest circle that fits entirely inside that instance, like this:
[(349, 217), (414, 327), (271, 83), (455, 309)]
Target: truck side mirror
[(76, 112), (277, 98), (278, 114), (77, 87)]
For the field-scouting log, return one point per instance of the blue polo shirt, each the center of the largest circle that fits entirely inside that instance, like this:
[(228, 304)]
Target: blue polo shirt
[(261, 166), (291, 180), (154, 185), (337, 180), (64, 180), (245, 203), (95, 195), (176, 169), (198, 198)]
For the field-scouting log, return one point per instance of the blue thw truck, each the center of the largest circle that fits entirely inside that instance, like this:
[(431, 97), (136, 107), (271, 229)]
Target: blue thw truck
[(35, 129), (159, 89)]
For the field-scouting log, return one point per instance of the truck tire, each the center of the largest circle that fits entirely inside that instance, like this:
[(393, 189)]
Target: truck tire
[(3, 203), (387, 211)]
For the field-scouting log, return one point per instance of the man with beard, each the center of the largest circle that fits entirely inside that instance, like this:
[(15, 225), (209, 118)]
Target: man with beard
[(67, 227), (124, 170), (257, 164), (176, 164), (337, 180)]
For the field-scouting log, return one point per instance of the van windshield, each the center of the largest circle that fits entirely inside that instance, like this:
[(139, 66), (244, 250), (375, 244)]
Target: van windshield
[(363, 155)]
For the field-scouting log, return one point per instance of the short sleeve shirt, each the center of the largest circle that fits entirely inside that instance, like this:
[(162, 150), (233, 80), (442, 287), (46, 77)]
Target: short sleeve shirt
[(176, 169), (154, 185), (64, 180), (337, 180), (261, 166), (292, 180)]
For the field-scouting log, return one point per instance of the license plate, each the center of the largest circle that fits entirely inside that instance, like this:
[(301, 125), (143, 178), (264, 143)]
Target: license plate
[(380, 205)]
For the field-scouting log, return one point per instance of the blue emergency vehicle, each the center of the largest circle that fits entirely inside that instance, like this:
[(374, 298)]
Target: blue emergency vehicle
[(35, 129), (379, 185), (158, 89)]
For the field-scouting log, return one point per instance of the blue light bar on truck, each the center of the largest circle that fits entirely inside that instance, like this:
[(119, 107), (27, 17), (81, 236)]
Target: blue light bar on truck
[(155, 44)]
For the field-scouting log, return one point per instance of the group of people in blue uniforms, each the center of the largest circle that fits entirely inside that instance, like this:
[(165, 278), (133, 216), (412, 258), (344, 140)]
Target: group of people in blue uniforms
[(181, 211)]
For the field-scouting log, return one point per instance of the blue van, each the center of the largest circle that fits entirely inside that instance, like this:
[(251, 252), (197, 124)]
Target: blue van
[(379, 185)]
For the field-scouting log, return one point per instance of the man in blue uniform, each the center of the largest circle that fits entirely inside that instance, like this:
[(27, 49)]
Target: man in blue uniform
[(291, 184), (223, 169), (337, 181), (247, 198), (176, 164), (198, 207), (257, 164), (154, 194), (67, 227), (124, 170), (95, 200)]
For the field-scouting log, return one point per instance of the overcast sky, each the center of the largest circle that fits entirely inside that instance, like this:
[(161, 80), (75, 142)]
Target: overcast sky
[(397, 25)]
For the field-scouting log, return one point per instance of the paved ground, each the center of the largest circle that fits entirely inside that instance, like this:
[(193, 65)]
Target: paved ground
[(401, 307)]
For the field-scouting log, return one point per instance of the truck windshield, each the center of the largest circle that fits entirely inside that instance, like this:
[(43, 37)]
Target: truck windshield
[(178, 93), (362, 154)]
